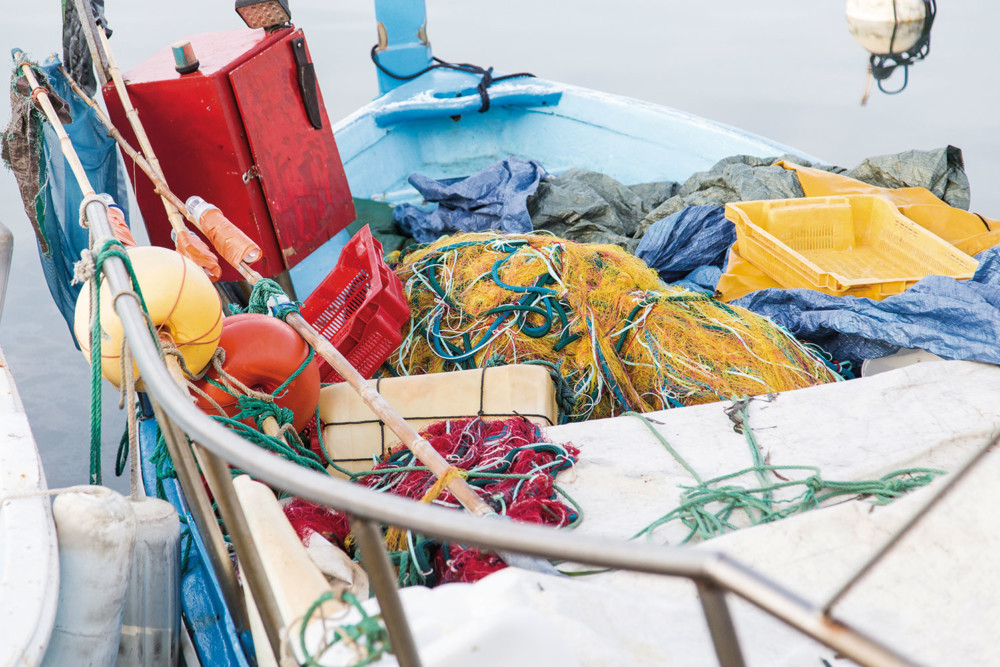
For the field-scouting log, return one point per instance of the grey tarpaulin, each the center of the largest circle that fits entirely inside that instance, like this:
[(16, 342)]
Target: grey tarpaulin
[(495, 198), (952, 319), (590, 207), (735, 178), (747, 178), (942, 171), (692, 237)]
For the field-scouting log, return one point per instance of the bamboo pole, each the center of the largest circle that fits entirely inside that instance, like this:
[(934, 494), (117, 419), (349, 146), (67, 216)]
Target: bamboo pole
[(90, 28), (65, 143), (173, 211), (187, 474), (420, 447), (159, 185)]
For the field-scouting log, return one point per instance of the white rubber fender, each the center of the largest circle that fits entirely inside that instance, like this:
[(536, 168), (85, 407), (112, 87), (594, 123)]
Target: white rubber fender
[(96, 530)]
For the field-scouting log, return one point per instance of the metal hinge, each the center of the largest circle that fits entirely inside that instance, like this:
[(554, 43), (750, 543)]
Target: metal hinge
[(252, 172)]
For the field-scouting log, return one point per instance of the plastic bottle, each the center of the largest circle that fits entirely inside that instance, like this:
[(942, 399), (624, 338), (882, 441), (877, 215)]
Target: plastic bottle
[(228, 239), (116, 216), (152, 622)]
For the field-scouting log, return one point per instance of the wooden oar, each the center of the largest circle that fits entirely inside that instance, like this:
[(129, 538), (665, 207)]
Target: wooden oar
[(419, 446)]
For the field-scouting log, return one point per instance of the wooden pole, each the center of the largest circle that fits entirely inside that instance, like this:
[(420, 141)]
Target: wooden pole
[(173, 211), (159, 185), (420, 447), (40, 94)]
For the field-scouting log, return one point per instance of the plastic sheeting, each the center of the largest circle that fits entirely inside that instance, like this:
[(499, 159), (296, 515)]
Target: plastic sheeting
[(748, 178), (952, 319), (62, 197), (691, 238), (589, 207), (735, 178), (495, 198), (942, 171)]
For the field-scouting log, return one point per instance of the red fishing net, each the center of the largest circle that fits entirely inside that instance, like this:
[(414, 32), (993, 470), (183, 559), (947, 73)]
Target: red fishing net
[(507, 462)]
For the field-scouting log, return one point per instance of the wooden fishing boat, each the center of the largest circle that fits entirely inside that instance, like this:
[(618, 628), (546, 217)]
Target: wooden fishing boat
[(436, 124)]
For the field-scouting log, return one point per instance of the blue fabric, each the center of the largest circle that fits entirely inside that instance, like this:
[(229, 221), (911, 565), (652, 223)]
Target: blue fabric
[(62, 195), (952, 319), (702, 279), (495, 198), (693, 237)]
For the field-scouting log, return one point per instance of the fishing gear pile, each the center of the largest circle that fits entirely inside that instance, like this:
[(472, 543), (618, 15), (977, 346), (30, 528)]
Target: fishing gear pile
[(507, 462), (614, 337)]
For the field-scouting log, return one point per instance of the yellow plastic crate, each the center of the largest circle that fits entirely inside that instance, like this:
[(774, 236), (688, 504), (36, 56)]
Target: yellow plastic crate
[(859, 245)]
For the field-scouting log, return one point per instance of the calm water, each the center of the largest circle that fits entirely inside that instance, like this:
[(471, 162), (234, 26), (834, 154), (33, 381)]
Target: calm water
[(785, 69)]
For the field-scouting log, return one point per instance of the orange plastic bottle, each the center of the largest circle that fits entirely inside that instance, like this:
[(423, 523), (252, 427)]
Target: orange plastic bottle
[(228, 239)]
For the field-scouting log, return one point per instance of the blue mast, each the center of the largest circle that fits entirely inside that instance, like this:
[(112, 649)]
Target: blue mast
[(403, 47)]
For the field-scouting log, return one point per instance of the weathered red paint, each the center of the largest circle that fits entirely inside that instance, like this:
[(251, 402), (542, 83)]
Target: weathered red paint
[(240, 113)]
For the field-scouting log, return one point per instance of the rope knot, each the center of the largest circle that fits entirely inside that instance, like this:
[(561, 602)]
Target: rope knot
[(814, 483), (85, 269), (267, 295)]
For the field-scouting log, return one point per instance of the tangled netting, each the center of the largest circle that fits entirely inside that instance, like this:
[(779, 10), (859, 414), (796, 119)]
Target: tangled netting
[(23, 145), (615, 338), (507, 462)]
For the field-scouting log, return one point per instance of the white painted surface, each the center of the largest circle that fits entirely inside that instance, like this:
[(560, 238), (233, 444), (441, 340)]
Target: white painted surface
[(935, 599), (29, 561)]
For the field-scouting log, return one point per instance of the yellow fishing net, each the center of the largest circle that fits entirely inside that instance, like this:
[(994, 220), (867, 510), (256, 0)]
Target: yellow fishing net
[(613, 335)]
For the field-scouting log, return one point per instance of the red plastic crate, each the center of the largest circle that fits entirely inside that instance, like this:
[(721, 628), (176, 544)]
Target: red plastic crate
[(359, 307)]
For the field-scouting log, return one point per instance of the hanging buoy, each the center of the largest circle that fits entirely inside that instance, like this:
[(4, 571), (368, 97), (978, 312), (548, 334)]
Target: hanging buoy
[(896, 34), (263, 352), (886, 26), (96, 530), (181, 301)]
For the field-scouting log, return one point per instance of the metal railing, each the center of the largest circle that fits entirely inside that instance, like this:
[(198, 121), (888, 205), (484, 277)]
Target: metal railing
[(714, 574)]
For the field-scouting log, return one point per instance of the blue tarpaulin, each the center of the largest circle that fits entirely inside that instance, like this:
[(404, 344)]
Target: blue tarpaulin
[(693, 237), (494, 199), (62, 196), (953, 319)]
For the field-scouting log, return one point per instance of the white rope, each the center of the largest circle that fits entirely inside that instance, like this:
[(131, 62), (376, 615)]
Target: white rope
[(41, 493)]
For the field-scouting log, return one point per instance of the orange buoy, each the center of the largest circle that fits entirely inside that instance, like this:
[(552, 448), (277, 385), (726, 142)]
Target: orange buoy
[(262, 352)]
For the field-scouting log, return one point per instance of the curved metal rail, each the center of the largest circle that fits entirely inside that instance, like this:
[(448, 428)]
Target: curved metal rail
[(714, 574)]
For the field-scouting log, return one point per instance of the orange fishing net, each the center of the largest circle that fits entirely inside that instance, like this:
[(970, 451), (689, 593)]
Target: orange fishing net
[(613, 335)]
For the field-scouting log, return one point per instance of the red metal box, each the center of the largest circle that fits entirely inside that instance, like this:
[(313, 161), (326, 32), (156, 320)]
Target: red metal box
[(238, 133)]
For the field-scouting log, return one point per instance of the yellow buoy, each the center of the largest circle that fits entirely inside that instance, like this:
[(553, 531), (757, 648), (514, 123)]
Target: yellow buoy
[(181, 301)]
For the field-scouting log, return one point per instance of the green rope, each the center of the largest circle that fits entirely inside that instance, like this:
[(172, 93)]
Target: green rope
[(121, 458), (162, 463), (758, 504), (666, 445), (265, 296), (109, 248), (369, 633)]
